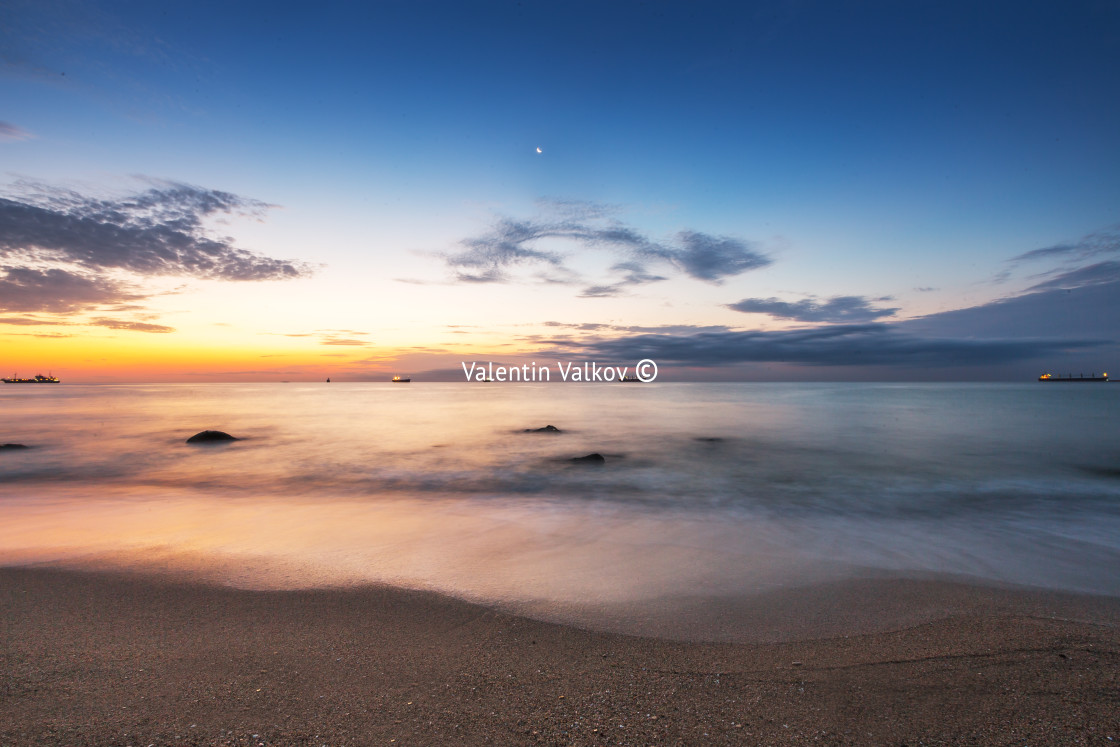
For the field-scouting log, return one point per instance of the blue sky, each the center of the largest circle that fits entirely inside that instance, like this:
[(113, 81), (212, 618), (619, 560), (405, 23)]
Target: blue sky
[(813, 157)]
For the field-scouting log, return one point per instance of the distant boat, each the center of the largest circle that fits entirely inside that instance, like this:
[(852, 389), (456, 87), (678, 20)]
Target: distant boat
[(39, 379), (1071, 377), (631, 379), (401, 379)]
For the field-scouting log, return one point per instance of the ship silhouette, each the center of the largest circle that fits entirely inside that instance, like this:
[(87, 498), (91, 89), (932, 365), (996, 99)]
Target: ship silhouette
[(1071, 377), (39, 379)]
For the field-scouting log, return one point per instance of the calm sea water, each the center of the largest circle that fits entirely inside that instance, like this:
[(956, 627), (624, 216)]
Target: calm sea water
[(707, 489)]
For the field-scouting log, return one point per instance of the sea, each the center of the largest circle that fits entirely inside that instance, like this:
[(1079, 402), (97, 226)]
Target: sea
[(708, 491)]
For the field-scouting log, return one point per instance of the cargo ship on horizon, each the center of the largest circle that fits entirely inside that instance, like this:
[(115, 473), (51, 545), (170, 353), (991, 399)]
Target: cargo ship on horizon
[(39, 379), (1071, 377)]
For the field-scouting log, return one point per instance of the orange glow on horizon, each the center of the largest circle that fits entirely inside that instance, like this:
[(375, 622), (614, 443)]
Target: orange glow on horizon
[(130, 357), (125, 357)]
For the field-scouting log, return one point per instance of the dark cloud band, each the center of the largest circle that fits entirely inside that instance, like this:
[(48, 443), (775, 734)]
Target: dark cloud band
[(849, 309), (838, 345)]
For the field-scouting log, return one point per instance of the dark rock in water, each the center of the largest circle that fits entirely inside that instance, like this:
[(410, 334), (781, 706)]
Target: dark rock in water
[(710, 439), (590, 459), (210, 436), (13, 446), (546, 429)]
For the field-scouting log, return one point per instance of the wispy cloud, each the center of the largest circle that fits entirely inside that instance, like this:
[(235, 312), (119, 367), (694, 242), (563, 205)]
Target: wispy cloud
[(601, 291), (10, 132), (1067, 262), (131, 326), (845, 309), (30, 321), (633, 273), (1096, 274), (330, 336), (587, 326), (106, 55), (1091, 245), (342, 341), (513, 243)]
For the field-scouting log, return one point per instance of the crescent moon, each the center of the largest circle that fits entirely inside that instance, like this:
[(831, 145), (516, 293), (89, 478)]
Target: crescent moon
[(539, 150)]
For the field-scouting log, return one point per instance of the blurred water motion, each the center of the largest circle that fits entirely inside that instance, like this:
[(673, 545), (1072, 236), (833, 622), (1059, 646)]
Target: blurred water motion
[(721, 489)]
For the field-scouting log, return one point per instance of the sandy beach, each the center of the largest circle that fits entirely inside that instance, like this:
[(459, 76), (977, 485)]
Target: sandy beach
[(129, 659)]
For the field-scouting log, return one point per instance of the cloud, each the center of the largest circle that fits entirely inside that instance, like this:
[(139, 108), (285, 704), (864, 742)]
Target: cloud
[(1089, 311), (505, 245), (512, 243), (1094, 244), (329, 336), (29, 321), (578, 209), (1098, 274), (9, 131), (1069, 258), (131, 326), (493, 275), (633, 273), (601, 291), (66, 252), (873, 344), (849, 309), (156, 232), (54, 290), (342, 341), (587, 326), (1057, 324), (715, 257), (572, 342)]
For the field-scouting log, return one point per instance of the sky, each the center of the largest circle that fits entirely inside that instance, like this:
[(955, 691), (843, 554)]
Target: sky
[(779, 191)]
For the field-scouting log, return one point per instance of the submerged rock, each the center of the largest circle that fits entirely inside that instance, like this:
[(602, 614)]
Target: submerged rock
[(546, 429), (590, 459), (13, 446), (211, 436)]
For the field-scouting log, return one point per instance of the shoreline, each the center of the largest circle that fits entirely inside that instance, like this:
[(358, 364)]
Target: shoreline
[(96, 657)]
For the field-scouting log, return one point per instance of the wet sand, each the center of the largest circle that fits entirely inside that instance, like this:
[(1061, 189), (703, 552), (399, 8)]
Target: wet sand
[(120, 659)]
